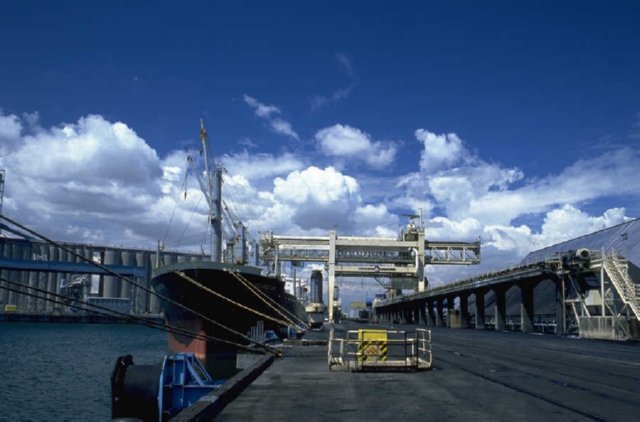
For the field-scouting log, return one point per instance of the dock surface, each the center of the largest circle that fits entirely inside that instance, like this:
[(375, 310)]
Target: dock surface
[(476, 375)]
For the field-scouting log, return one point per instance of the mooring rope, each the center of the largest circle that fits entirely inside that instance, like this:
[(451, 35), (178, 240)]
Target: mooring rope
[(233, 302), (269, 301)]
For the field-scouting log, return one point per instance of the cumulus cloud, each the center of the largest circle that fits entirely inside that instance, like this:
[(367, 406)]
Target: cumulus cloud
[(99, 181), (374, 220), (462, 185), (466, 197), (586, 180), (10, 130), (439, 150), (92, 180), (322, 198), (269, 114), (261, 166), (348, 142)]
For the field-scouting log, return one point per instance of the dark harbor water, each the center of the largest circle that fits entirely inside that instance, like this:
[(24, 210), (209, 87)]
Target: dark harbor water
[(62, 371)]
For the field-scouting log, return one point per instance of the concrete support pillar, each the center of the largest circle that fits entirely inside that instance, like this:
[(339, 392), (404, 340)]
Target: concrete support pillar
[(440, 322), (450, 309), (500, 308), (431, 316), (526, 307), (464, 310), (480, 309), (422, 315), (331, 272), (561, 315)]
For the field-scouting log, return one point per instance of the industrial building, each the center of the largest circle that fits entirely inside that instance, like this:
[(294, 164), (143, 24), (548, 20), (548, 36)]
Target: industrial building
[(587, 286), (39, 265)]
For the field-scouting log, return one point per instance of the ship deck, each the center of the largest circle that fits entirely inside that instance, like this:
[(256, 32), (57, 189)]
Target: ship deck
[(476, 375)]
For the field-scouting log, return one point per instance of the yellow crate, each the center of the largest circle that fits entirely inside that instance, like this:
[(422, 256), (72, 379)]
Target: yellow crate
[(372, 345)]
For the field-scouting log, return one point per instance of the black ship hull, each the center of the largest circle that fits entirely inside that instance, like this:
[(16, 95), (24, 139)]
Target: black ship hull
[(227, 307)]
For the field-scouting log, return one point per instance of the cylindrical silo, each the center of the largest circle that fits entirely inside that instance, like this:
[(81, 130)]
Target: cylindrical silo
[(142, 297), (5, 252), (110, 283), (60, 277), (315, 287), (128, 258), (52, 277), (16, 253)]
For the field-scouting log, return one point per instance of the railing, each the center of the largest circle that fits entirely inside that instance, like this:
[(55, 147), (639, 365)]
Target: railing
[(380, 350)]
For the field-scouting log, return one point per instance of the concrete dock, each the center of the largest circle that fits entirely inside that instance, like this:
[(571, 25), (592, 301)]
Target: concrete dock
[(476, 375)]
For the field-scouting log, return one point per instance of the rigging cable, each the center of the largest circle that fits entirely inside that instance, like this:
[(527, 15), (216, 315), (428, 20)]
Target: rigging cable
[(189, 222), (183, 188)]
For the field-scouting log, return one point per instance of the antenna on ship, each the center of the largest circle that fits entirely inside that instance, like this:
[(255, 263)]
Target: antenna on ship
[(214, 194)]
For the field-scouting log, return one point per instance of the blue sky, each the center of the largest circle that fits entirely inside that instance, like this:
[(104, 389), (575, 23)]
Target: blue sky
[(515, 121)]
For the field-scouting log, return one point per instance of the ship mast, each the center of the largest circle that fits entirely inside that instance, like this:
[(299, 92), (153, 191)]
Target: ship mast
[(214, 194)]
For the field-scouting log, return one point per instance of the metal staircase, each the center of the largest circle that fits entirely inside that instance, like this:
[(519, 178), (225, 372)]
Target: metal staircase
[(618, 273)]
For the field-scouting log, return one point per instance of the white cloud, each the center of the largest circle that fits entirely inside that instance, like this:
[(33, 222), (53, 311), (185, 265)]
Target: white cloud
[(10, 130), (465, 197), (284, 128), (559, 225), (374, 220), (568, 222), (267, 113), (586, 180), (439, 150), (87, 180), (349, 142), (322, 198), (99, 181), (262, 165)]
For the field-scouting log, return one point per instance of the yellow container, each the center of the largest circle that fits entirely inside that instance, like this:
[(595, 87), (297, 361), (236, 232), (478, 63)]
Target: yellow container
[(10, 308), (372, 345)]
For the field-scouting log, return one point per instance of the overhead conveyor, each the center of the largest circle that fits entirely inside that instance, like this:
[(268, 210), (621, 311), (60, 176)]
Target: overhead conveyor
[(401, 260)]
